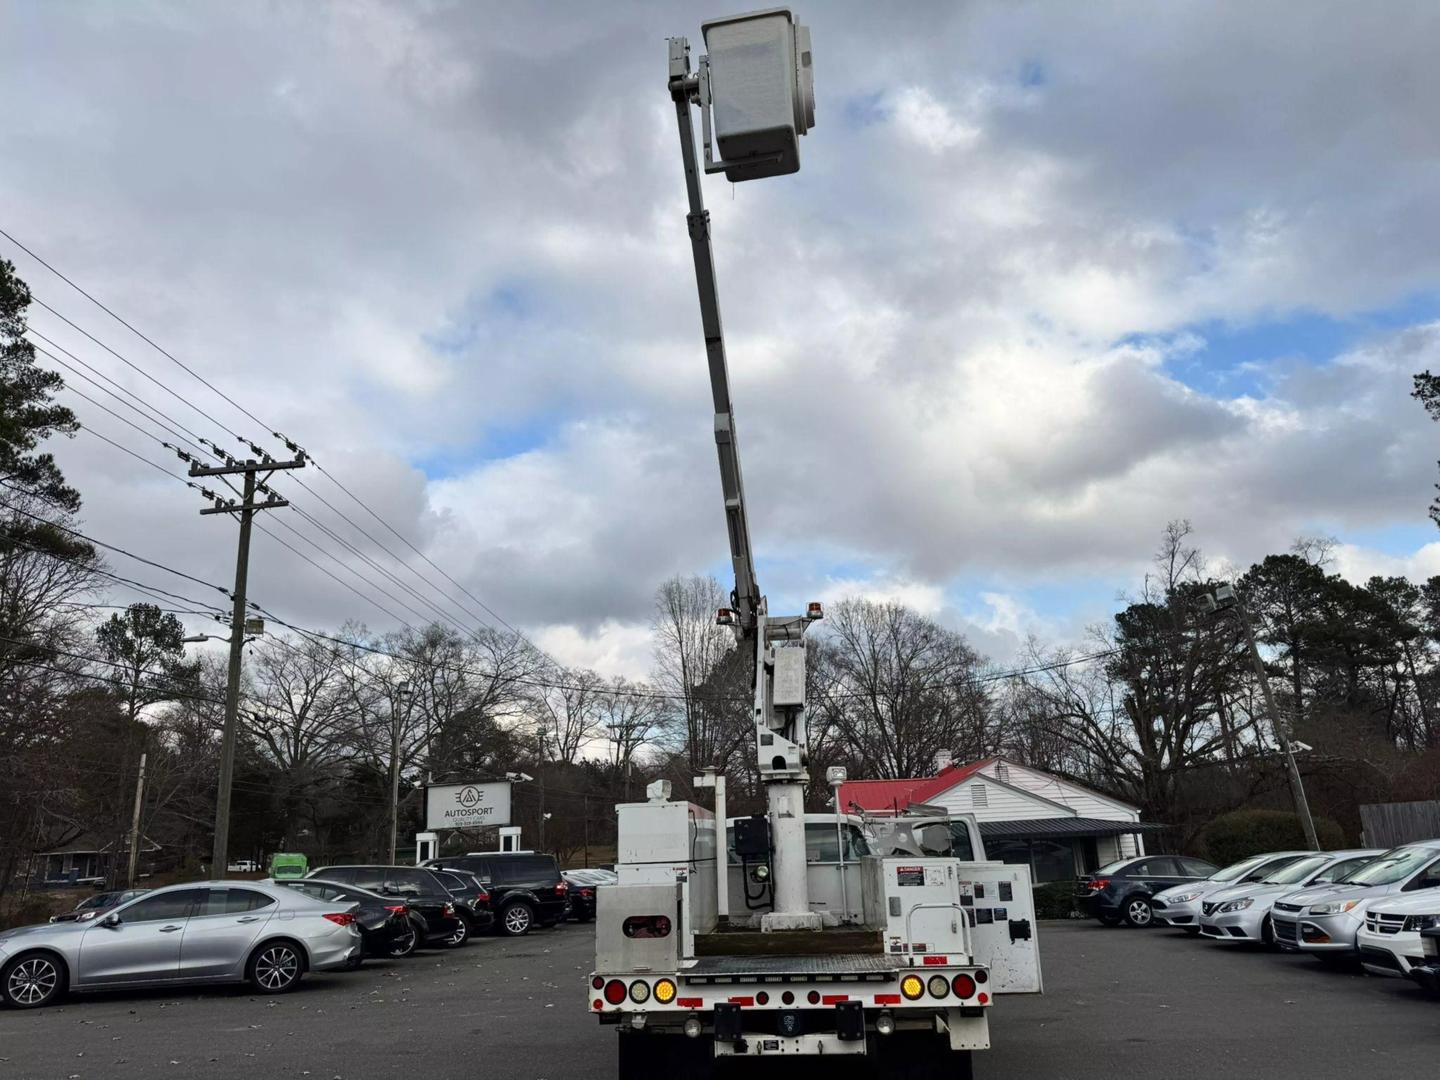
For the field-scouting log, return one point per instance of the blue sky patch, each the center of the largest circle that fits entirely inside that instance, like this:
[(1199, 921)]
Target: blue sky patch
[(1230, 363)]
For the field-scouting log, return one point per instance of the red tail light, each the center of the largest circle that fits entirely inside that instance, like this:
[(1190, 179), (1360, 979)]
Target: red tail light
[(1096, 884), (397, 909), (562, 888), (340, 918), (482, 898), (964, 986), (587, 893), (447, 911), (615, 991)]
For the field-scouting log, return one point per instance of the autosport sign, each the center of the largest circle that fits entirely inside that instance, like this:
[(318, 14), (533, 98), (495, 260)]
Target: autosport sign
[(467, 806)]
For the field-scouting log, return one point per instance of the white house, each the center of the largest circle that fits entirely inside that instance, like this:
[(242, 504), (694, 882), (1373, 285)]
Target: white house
[(1026, 815)]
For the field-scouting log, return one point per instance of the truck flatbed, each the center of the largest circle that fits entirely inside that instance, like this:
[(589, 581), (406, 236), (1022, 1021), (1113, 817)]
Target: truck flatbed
[(707, 968), (831, 941)]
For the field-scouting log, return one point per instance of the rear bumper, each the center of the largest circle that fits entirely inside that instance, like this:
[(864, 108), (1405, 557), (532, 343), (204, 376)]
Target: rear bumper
[(330, 952)]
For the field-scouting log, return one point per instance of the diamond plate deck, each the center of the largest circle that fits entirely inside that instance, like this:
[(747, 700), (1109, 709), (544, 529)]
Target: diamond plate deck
[(845, 964)]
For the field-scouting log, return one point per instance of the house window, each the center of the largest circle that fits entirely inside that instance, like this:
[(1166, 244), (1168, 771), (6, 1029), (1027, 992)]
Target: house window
[(979, 796)]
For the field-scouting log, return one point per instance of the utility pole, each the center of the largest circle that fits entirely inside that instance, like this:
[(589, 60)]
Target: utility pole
[(1224, 598), (1297, 786), (396, 720), (134, 868), (246, 508)]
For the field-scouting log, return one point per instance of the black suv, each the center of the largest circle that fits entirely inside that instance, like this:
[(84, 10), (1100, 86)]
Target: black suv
[(1122, 890), (422, 891), (525, 888)]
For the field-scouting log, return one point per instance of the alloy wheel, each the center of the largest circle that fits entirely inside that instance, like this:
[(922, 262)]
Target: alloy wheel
[(277, 967), (32, 982), (405, 945), (458, 937), (517, 919), (1138, 913)]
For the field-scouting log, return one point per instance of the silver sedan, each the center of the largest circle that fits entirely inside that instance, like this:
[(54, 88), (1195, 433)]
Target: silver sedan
[(214, 931)]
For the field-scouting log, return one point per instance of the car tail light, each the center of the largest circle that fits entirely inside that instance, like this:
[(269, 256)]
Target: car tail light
[(340, 918), (646, 926), (1097, 884), (615, 992), (964, 986), (397, 909), (587, 893), (448, 910), (482, 897), (562, 888)]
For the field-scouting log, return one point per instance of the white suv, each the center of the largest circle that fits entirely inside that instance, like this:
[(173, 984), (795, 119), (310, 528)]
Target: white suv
[(1389, 940)]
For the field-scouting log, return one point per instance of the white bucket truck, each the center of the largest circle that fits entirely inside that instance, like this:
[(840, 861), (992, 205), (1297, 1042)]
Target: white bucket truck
[(900, 948)]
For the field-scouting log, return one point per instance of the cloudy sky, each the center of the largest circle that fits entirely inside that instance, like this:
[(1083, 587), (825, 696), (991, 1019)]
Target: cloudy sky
[(1050, 276)]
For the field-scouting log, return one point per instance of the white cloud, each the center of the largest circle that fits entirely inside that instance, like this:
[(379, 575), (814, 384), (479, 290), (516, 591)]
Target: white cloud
[(465, 284)]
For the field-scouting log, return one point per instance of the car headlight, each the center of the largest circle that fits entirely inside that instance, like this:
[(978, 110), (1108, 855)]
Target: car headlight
[(1421, 922), (1333, 907), (1183, 898), (1236, 905)]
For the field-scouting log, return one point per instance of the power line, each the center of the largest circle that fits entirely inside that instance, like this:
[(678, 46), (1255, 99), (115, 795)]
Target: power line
[(220, 393)]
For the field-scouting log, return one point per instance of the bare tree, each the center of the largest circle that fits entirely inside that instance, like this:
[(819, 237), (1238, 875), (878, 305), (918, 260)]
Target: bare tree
[(899, 688), (697, 663), (569, 714)]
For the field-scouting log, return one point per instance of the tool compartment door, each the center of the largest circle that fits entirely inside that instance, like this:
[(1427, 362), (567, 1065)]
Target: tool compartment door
[(1003, 930)]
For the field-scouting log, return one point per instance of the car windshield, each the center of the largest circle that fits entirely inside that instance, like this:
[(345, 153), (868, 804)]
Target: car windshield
[(1235, 871), (1391, 867), (1296, 871)]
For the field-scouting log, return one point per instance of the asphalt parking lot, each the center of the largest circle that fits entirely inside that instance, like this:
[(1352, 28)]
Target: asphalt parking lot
[(1118, 1003)]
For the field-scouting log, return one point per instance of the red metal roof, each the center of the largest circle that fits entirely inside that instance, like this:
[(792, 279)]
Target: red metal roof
[(890, 796)]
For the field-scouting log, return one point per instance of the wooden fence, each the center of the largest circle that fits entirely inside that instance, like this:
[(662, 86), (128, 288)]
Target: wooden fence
[(1388, 824)]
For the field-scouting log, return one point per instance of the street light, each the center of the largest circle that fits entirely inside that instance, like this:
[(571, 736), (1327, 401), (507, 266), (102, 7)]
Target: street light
[(1224, 598), (402, 694)]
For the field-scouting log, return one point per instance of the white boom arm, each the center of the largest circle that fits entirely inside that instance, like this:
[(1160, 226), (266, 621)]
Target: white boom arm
[(778, 642)]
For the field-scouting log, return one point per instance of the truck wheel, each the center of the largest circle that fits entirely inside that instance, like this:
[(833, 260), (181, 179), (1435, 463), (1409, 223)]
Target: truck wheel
[(648, 1055), (923, 1056)]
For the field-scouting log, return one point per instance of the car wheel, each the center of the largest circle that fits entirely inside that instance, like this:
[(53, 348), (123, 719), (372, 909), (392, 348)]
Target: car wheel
[(1138, 912), (32, 980), (404, 945), (516, 919), (275, 967), (459, 937)]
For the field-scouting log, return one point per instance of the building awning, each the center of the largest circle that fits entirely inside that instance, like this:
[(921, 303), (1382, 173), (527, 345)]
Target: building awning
[(1038, 828)]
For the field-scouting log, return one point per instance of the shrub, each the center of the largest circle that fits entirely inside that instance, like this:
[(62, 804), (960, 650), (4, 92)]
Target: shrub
[(1242, 833), (1054, 900)]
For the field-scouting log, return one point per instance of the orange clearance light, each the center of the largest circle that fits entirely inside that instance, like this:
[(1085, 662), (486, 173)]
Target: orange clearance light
[(912, 986), (725, 617), (665, 991)]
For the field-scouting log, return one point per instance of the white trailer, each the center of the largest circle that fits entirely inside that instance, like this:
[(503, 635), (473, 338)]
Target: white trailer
[(726, 939)]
